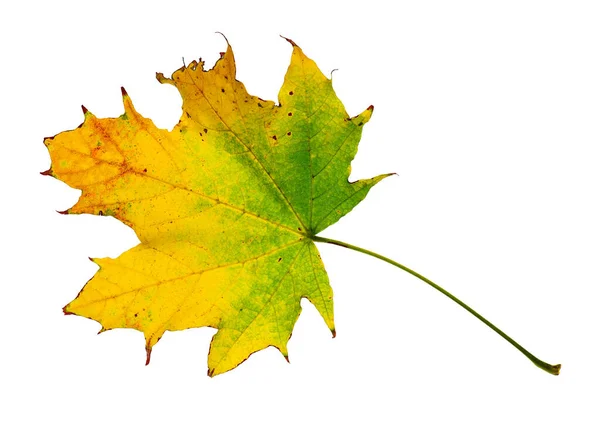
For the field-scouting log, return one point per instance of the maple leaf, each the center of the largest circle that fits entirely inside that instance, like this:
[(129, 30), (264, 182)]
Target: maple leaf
[(227, 207)]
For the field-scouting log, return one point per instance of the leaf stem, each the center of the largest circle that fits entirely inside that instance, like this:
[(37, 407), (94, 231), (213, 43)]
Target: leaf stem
[(552, 369)]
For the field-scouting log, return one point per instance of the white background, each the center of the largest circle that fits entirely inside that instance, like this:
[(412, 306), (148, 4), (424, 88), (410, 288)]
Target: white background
[(488, 111)]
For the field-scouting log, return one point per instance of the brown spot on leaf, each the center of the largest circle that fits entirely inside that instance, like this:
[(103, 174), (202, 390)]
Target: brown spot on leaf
[(291, 92)]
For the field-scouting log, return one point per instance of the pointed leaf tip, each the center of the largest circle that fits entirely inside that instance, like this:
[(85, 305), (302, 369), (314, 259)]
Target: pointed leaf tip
[(210, 372), (162, 79), (290, 41), (148, 353), (127, 103), (47, 172), (84, 109), (93, 260), (223, 35), (333, 334)]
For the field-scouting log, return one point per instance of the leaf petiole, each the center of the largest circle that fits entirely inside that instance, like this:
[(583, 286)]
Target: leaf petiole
[(552, 369)]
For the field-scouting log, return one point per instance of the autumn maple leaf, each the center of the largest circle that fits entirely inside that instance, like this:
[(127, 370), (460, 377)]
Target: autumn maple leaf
[(227, 207), (224, 205)]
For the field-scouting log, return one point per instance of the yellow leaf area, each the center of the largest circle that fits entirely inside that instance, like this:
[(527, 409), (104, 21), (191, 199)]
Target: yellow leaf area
[(224, 205)]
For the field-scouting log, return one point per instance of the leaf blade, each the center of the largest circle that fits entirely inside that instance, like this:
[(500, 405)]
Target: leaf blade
[(225, 206)]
